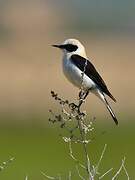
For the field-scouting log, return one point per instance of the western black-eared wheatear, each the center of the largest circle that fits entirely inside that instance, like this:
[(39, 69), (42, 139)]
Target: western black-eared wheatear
[(76, 63)]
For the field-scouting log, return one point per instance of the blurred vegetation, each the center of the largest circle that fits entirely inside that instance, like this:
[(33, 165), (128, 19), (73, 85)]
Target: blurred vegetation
[(39, 148)]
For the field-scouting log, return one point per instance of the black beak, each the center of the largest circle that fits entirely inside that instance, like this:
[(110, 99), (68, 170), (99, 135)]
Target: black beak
[(60, 46), (57, 46)]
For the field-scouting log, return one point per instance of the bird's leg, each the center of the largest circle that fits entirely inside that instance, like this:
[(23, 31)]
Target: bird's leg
[(82, 96)]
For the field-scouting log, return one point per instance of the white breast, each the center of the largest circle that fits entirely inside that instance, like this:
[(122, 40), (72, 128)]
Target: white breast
[(74, 75)]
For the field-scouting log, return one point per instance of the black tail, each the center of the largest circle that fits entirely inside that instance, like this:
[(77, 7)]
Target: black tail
[(110, 95), (111, 112)]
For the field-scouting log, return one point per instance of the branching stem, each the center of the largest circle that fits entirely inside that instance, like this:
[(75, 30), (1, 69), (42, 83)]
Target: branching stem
[(85, 150)]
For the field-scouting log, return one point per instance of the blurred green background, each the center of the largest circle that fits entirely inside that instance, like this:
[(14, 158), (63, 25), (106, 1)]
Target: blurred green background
[(30, 68)]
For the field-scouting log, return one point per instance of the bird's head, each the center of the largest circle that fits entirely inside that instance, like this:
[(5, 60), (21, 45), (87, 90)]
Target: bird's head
[(71, 46)]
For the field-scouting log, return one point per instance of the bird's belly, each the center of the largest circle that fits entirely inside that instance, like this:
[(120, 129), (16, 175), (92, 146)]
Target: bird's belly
[(74, 75)]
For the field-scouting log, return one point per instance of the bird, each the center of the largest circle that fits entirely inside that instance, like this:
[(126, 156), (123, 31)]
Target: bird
[(75, 63)]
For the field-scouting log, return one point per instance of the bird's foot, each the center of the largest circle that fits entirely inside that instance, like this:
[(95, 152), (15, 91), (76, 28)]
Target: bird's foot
[(73, 106)]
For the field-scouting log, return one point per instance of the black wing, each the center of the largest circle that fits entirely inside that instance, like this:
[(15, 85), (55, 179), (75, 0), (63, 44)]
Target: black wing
[(91, 72)]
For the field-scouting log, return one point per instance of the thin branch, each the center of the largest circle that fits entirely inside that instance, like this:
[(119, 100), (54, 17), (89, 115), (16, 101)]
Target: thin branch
[(73, 157), (81, 177), (101, 157), (59, 177), (119, 170), (69, 175), (91, 176), (4, 164), (106, 173), (26, 178), (85, 151), (48, 177), (126, 171)]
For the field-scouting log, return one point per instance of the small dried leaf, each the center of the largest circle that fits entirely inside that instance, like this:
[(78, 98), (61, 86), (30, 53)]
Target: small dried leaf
[(62, 125)]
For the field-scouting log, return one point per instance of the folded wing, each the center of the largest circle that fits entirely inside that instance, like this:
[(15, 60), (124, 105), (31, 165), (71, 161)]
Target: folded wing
[(91, 72)]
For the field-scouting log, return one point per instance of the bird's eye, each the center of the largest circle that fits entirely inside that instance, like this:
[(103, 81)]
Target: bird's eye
[(70, 47)]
